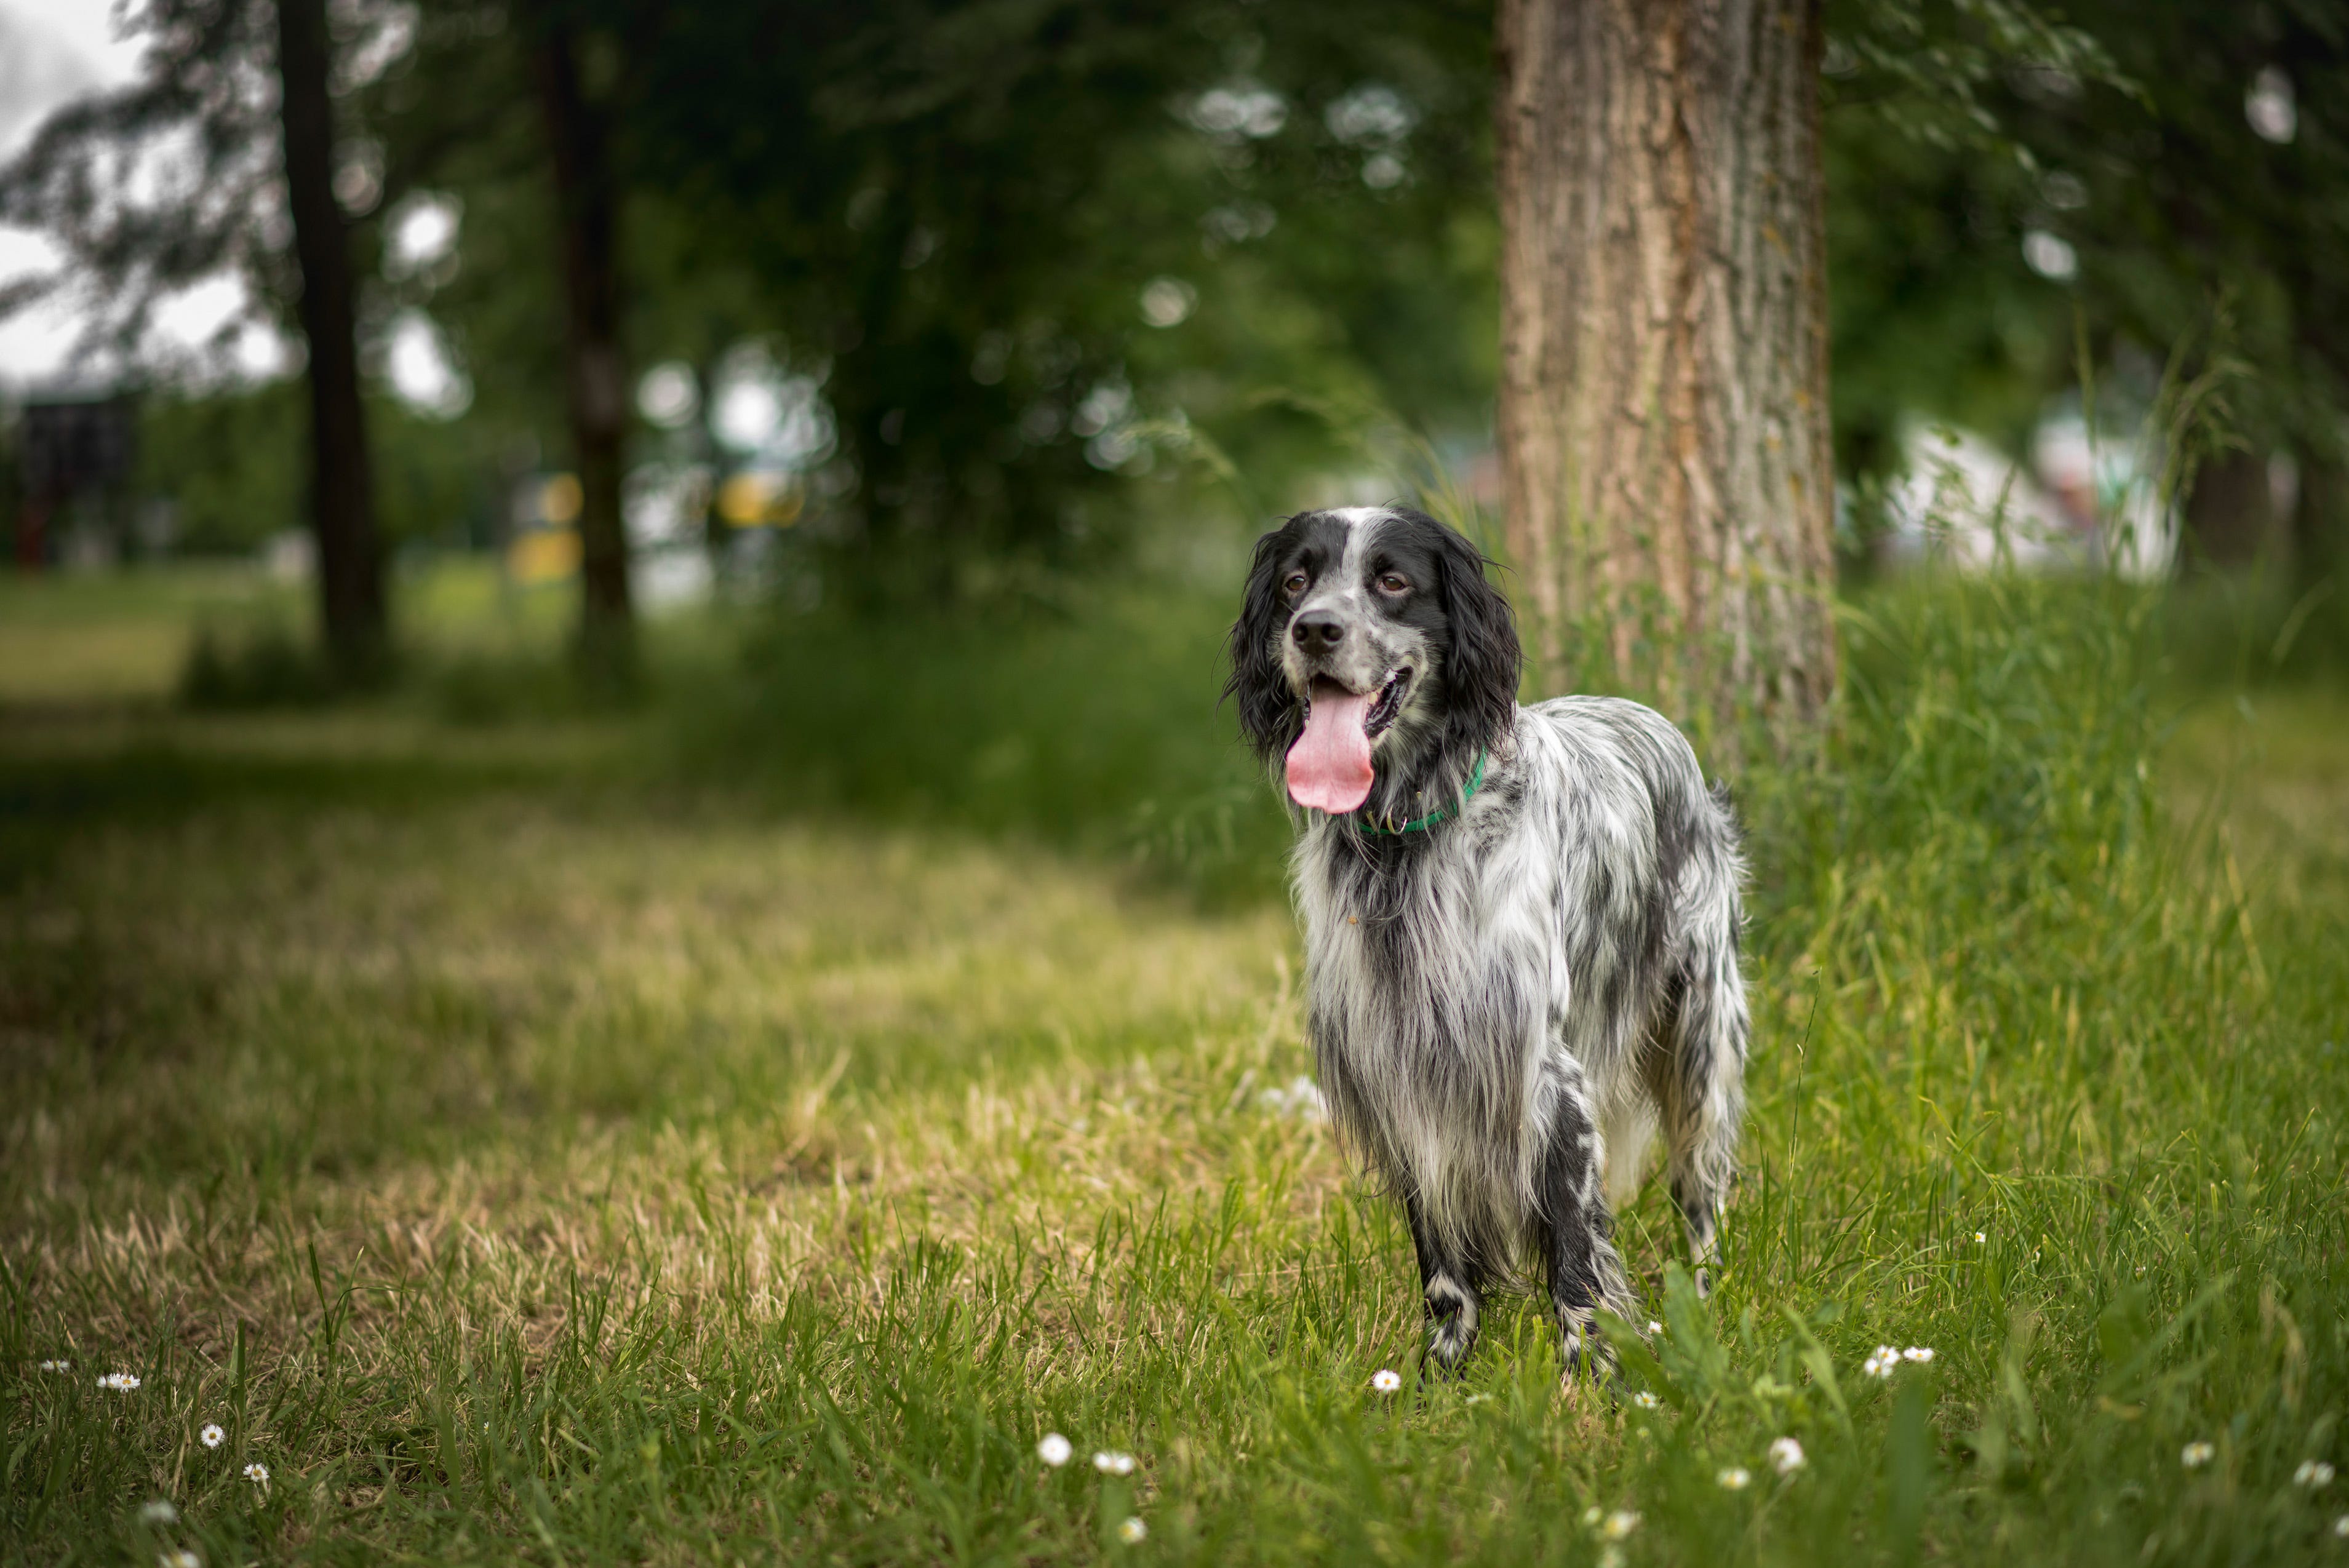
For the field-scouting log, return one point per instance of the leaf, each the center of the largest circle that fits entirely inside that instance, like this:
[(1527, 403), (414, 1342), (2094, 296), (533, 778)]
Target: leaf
[(1822, 1369), (2130, 1349), (1908, 1468), (1692, 1348), (2122, 1328), (1636, 1360), (2012, 1364)]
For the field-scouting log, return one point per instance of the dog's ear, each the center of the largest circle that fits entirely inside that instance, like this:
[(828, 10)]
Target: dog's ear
[(1270, 718), (1486, 659)]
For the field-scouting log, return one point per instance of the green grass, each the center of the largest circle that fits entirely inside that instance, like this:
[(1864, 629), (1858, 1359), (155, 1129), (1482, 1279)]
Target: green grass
[(740, 1137)]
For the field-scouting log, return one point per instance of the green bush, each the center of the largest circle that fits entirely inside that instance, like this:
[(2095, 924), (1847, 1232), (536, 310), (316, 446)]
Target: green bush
[(1099, 731), (268, 665)]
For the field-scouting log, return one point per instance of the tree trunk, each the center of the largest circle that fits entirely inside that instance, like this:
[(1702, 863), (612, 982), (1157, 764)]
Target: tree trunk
[(578, 135), (1665, 455), (2230, 512), (342, 491)]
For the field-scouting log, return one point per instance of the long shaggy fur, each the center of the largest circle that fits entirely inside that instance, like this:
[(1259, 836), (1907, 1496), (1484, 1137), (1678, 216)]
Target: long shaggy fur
[(1505, 1004)]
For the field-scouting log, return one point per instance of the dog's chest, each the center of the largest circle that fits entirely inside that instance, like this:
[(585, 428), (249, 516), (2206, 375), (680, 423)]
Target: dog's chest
[(1418, 962)]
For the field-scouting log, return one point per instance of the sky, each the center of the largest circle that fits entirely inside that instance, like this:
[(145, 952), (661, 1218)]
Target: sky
[(51, 53)]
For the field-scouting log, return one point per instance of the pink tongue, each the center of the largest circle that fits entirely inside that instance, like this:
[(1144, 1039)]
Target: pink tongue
[(1329, 766)]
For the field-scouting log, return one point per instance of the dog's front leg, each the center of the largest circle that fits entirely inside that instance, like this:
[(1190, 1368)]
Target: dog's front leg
[(1453, 1285), (1580, 1266)]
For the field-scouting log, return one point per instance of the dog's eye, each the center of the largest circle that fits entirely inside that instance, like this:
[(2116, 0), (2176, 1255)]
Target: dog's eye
[(1295, 584), (1391, 582)]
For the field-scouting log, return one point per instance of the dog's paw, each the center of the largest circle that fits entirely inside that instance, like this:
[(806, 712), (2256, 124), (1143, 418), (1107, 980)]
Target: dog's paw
[(1451, 1315), (1448, 1345), (1588, 1355)]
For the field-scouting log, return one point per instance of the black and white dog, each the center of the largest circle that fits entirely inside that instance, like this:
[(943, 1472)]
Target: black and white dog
[(1521, 924)]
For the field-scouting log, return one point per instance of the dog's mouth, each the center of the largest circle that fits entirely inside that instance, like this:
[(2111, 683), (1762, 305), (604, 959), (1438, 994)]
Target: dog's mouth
[(1388, 708), (1330, 767)]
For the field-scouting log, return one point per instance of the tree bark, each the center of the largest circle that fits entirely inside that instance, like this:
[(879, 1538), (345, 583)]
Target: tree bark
[(579, 134), (1666, 466), (342, 491)]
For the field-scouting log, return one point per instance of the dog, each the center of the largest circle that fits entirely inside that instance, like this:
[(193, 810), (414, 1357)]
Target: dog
[(1521, 924)]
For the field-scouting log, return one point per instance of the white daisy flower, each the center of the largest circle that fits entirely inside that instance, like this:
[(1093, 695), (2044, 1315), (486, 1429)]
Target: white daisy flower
[(2312, 1474), (120, 1382), (1645, 1399), (2196, 1454), (1733, 1478), (1619, 1524), (2341, 1527), (1919, 1353), (1655, 1327), (1786, 1456), (1980, 1240), (1054, 1449), (1134, 1532), (1386, 1381), (257, 1473), (56, 1365), (212, 1436), (1882, 1362), (1109, 1461), (158, 1511), (180, 1558)]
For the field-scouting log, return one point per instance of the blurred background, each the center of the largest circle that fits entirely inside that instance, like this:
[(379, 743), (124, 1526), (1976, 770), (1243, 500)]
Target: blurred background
[(881, 399)]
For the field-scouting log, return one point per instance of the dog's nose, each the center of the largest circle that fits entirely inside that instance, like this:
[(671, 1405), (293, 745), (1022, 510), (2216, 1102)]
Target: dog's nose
[(1318, 627)]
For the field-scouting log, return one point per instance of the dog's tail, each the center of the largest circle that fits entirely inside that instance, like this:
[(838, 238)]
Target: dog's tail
[(1703, 1098)]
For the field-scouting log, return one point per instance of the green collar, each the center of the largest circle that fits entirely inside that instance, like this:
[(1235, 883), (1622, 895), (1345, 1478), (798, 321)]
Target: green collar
[(1442, 814)]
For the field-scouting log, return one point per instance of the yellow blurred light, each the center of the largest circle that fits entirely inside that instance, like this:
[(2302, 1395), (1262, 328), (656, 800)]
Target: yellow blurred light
[(545, 555), (560, 499), (758, 501)]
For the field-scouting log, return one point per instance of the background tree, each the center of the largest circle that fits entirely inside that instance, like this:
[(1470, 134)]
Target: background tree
[(587, 199), (342, 494), (230, 132), (1666, 472)]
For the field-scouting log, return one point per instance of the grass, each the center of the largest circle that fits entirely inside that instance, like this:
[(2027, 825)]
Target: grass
[(120, 637), (742, 1138)]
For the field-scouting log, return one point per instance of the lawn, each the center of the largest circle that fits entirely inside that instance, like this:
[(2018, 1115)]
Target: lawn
[(739, 1130)]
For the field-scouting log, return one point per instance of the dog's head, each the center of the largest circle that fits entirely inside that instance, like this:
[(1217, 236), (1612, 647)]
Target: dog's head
[(1368, 637)]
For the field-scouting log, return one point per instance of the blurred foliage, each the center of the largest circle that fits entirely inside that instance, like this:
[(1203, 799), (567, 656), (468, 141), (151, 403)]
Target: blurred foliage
[(171, 180), (2262, 629), (1093, 730), (950, 215), (1031, 249), (1933, 311), (2174, 196), (231, 461), (265, 666), (950, 211), (2187, 161)]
